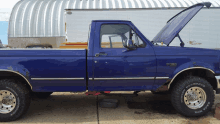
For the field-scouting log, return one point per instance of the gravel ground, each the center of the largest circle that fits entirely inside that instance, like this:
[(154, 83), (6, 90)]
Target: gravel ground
[(81, 109)]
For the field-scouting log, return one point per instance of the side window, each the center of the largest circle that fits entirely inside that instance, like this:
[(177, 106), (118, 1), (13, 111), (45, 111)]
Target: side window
[(117, 36), (111, 41), (113, 35)]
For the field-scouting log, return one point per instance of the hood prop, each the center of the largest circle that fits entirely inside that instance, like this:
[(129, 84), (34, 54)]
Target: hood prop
[(182, 43)]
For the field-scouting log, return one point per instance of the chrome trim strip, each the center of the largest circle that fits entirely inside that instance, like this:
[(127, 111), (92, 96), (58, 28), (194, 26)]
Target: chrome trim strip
[(141, 78), (188, 69), (218, 81), (90, 78), (20, 75), (57, 78), (161, 78)]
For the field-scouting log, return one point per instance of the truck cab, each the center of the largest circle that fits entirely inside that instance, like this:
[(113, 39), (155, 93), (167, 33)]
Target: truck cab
[(117, 67)]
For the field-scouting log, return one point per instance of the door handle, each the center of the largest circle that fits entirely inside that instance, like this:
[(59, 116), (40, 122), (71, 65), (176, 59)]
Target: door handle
[(102, 53)]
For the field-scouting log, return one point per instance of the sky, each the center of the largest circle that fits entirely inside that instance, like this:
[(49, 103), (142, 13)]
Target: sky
[(5, 11), (7, 5)]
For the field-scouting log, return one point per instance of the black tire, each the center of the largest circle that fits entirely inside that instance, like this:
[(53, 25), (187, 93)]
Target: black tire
[(22, 97), (42, 95), (178, 91)]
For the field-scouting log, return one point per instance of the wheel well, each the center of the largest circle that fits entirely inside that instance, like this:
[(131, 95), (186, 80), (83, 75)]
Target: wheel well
[(203, 73), (15, 76)]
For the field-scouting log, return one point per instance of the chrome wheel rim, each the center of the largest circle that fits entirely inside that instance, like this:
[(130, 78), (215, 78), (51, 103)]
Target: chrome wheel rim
[(7, 101), (195, 97)]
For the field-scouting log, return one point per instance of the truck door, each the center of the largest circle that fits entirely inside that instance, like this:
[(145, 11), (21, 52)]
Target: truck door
[(116, 68)]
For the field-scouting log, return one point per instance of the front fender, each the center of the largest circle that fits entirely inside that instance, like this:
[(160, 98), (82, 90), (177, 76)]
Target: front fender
[(191, 65)]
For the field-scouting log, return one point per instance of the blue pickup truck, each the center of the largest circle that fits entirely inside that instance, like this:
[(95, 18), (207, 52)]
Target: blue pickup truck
[(119, 58)]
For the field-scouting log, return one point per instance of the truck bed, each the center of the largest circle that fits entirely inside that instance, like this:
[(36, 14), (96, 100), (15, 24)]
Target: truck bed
[(48, 69)]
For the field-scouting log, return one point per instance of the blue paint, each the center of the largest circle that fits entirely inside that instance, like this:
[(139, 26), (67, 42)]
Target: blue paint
[(48, 64), (4, 32), (119, 62), (148, 61), (59, 86)]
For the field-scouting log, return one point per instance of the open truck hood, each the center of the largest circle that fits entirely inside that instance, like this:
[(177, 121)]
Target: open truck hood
[(177, 23)]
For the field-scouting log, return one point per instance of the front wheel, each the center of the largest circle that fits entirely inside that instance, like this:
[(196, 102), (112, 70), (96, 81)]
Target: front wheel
[(193, 96)]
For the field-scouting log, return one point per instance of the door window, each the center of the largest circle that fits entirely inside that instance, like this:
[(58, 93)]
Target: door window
[(117, 36)]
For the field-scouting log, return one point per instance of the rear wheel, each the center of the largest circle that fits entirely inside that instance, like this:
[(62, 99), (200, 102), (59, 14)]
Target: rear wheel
[(42, 94), (193, 96), (14, 100)]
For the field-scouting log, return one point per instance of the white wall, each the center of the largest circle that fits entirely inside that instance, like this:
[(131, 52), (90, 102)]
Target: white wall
[(202, 31)]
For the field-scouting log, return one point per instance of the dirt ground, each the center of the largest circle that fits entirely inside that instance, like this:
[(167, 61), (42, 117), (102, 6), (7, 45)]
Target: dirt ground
[(78, 108)]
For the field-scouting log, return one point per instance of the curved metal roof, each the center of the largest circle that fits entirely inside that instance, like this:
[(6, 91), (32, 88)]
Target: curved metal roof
[(44, 18)]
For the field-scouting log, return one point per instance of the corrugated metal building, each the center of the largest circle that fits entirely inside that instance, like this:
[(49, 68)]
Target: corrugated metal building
[(42, 21)]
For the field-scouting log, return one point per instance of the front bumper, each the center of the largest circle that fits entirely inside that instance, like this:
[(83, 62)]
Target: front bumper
[(218, 84)]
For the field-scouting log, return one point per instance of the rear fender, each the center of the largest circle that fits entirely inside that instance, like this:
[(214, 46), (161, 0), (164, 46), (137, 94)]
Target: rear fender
[(17, 69)]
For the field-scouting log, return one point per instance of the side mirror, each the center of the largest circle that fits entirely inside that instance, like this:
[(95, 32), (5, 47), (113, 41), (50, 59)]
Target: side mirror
[(130, 45)]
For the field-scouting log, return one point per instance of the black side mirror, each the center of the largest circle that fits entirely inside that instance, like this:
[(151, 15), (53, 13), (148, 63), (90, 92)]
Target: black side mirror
[(130, 45)]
